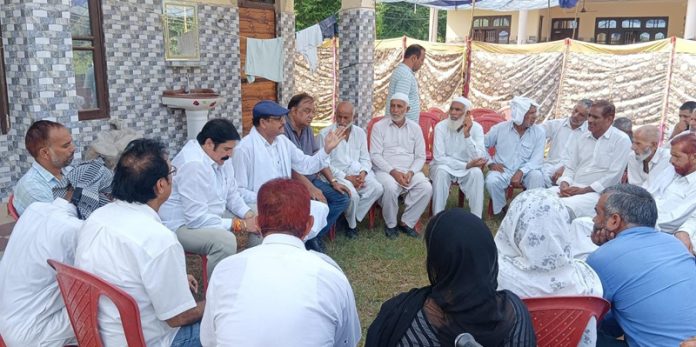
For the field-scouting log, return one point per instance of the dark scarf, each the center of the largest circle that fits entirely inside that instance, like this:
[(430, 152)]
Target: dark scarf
[(462, 265)]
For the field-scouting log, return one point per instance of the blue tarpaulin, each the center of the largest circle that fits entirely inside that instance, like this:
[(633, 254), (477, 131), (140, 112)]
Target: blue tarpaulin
[(495, 5)]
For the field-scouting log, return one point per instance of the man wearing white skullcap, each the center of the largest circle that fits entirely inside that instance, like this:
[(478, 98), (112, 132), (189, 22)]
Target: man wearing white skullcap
[(519, 152), (397, 149), (458, 156)]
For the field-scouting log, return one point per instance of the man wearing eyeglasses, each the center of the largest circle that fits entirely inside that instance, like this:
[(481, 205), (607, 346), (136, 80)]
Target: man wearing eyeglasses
[(205, 207)]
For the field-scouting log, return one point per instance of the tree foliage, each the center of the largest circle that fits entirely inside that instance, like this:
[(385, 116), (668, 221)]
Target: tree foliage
[(392, 19)]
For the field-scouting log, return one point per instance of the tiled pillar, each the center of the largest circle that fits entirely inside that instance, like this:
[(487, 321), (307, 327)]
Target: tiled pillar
[(285, 28), (356, 37), (40, 78)]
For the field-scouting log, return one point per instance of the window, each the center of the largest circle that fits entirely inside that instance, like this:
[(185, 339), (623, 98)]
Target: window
[(494, 29), (4, 104), (562, 28), (621, 31), (88, 59)]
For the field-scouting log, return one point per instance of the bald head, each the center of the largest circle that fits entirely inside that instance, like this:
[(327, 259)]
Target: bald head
[(649, 133), (344, 113)]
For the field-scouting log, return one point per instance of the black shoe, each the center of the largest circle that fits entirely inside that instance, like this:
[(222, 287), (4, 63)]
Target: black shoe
[(408, 230), (351, 233), (391, 233), (315, 244)]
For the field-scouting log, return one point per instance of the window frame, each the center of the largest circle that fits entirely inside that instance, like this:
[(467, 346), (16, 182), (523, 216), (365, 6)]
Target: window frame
[(98, 55), (620, 30), (491, 27), (4, 101)]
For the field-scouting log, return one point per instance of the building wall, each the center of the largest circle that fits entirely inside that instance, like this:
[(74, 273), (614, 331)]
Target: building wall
[(459, 22), (136, 69)]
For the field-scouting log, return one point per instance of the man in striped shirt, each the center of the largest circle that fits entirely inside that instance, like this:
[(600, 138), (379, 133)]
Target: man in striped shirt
[(403, 80)]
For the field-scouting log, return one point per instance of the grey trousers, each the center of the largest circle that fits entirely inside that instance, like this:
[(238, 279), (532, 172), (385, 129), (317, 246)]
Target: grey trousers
[(217, 244)]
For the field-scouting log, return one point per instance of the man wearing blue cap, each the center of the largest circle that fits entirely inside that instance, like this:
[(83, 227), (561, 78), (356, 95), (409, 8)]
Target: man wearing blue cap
[(266, 154)]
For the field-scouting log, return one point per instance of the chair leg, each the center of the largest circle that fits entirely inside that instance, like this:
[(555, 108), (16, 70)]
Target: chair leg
[(204, 271), (332, 232), (490, 208), (461, 198)]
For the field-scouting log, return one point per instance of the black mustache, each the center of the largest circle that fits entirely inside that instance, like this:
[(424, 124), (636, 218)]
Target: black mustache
[(225, 158)]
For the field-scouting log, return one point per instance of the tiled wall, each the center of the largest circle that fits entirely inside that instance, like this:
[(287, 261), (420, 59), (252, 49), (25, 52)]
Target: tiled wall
[(356, 35), (285, 28), (136, 69)]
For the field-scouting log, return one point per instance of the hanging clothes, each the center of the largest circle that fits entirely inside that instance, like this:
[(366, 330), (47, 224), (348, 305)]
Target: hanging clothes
[(329, 27), (264, 58), (306, 43)]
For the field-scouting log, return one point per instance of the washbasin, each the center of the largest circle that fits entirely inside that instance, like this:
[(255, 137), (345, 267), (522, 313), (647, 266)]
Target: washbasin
[(196, 103), (194, 100)]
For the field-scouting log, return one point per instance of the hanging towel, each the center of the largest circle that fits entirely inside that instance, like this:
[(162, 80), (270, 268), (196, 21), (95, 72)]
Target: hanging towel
[(306, 43), (329, 27), (264, 58)]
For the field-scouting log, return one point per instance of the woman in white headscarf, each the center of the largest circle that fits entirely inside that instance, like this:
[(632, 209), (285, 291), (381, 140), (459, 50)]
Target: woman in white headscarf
[(535, 253)]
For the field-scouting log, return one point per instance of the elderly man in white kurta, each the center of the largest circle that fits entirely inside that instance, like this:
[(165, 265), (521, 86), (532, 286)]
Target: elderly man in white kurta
[(397, 149), (458, 156), (561, 133), (649, 165), (351, 165), (266, 154), (596, 161), (519, 152)]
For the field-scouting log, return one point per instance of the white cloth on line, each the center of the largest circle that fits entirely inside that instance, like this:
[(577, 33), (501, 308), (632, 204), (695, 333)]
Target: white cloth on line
[(306, 43), (264, 58)]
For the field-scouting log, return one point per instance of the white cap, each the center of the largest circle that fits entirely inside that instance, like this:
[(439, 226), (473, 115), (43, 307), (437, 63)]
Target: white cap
[(464, 101), (520, 105), (400, 96)]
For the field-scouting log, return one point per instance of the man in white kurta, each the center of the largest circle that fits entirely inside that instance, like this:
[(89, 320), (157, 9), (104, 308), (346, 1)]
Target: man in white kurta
[(351, 165), (596, 161), (279, 294), (561, 134), (649, 165), (458, 156), (397, 149), (266, 154), (204, 190), (32, 311), (519, 152)]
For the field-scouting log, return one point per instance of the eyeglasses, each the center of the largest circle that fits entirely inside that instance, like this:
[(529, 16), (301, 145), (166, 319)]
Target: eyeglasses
[(172, 171)]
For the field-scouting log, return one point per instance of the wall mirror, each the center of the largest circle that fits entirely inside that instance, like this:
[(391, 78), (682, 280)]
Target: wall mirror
[(181, 31)]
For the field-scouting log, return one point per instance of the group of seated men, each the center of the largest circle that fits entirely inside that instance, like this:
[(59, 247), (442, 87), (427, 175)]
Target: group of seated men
[(162, 209)]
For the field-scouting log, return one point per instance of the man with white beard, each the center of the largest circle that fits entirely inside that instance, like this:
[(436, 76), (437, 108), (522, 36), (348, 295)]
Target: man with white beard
[(397, 149), (648, 165), (458, 156)]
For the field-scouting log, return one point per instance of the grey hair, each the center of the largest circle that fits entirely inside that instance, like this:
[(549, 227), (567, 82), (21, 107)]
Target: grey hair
[(649, 131), (585, 102), (634, 204), (623, 123)]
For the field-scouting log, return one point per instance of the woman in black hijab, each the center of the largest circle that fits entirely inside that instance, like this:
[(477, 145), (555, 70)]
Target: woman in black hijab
[(462, 266)]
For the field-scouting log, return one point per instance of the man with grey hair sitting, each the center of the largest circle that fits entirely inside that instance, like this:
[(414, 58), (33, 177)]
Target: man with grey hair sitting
[(458, 156), (649, 165), (32, 312), (646, 275), (562, 133)]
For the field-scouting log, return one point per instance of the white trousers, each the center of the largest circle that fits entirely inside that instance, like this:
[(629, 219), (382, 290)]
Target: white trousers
[(497, 183), (581, 230), (418, 195), (549, 169), (581, 205), (361, 199), (471, 184)]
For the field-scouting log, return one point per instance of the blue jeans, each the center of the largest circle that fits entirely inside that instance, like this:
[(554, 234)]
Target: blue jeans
[(337, 202), (188, 336)]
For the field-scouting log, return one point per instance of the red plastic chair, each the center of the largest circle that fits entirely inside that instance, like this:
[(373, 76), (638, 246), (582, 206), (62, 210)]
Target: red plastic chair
[(561, 320), (2, 343), (438, 112), (11, 211), (81, 291), (372, 214), (481, 112), (427, 122), (204, 269)]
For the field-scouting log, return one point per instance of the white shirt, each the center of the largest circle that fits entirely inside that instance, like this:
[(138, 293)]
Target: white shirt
[(401, 148), (660, 172), (677, 204), (126, 245), (256, 162), (561, 136), (598, 163), (201, 191), (350, 156), (515, 152), (452, 151), (279, 294), (29, 293)]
